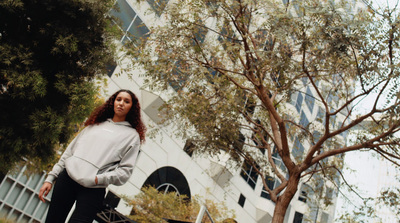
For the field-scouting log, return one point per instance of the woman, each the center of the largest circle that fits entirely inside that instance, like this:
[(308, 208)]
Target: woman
[(103, 153)]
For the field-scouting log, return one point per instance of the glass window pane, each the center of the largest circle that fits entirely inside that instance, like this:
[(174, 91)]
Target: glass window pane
[(309, 99), (253, 174), (125, 40), (138, 30), (298, 149), (303, 119), (242, 199), (270, 182), (266, 195), (124, 13), (252, 184), (324, 217), (299, 101), (158, 5), (249, 174), (298, 217), (111, 69)]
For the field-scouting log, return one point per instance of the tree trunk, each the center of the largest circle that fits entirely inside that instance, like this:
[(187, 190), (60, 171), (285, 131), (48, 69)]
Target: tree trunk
[(284, 200)]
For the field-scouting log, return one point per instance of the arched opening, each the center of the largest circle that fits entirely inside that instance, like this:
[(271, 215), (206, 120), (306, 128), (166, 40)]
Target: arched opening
[(169, 179)]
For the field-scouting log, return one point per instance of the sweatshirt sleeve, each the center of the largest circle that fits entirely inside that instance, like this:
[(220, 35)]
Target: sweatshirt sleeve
[(121, 174), (60, 165)]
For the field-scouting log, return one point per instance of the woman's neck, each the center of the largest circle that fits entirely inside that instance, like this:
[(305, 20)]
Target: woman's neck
[(118, 119)]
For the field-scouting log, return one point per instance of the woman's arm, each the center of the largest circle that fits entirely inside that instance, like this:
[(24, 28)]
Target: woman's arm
[(121, 174), (60, 165)]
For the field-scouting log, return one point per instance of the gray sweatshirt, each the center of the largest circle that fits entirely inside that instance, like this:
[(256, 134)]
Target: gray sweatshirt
[(107, 150)]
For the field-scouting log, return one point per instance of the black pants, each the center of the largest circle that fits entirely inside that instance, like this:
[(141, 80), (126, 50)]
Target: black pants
[(66, 191)]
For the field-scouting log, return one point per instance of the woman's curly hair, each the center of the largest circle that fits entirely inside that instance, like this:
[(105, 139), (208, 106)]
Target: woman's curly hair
[(106, 111)]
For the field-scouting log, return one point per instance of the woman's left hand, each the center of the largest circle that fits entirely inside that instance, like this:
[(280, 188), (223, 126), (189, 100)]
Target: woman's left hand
[(45, 189)]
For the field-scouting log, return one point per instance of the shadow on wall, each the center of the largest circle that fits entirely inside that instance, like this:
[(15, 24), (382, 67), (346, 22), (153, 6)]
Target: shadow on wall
[(169, 179)]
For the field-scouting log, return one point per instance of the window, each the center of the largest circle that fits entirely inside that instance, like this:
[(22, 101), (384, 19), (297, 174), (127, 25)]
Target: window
[(324, 217), (298, 217), (343, 134), (277, 159), (333, 99), (299, 101), (189, 147), (318, 182), (320, 115), (200, 32), (257, 140), (239, 143), (269, 43), (304, 80), (304, 193), (332, 120), (212, 73), (329, 193), (277, 78), (299, 9), (124, 13), (303, 120), (249, 174), (180, 78), (228, 38), (250, 105), (111, 68), (272, 184), (137, 32), (168, 188), (242, 199), (316, 135), (298, 149), (227, 34), (158, 5), (309, 99), (133, 27), (168, 179), (303, 196)]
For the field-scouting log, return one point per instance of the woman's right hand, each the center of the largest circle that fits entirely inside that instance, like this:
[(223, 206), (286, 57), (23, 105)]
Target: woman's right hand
[(44, 191)]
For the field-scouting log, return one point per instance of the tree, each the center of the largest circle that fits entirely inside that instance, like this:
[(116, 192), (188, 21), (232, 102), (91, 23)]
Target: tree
[(51, 54), (237, 67), (155, 206), (390, 198)]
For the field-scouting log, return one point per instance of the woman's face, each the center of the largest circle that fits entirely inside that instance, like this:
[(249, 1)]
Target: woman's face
[(122, 105)]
